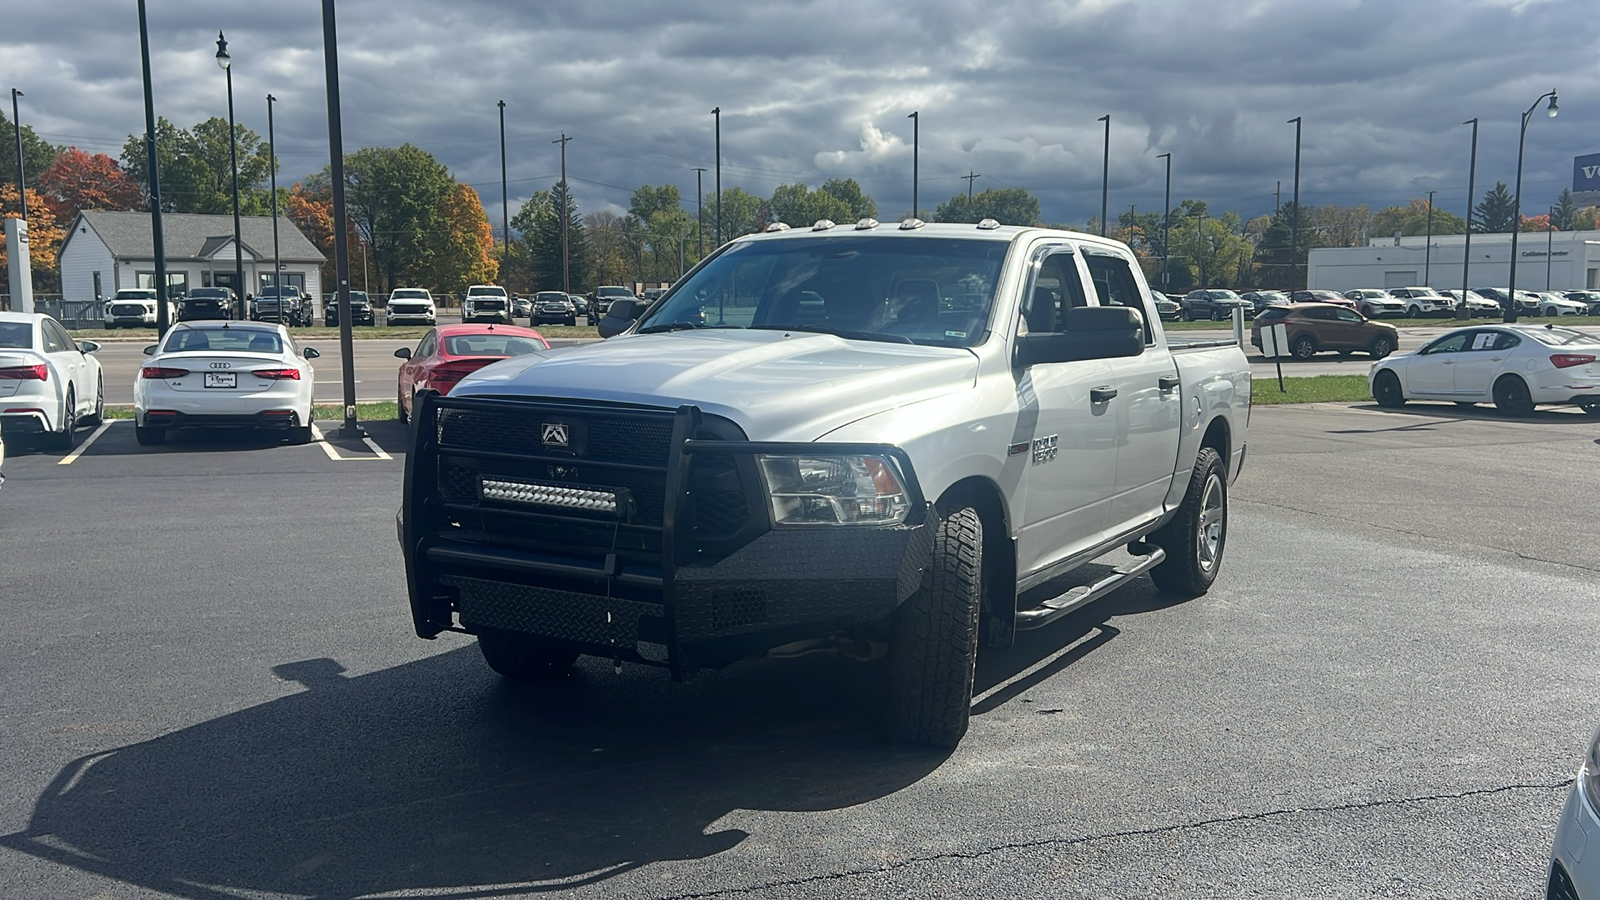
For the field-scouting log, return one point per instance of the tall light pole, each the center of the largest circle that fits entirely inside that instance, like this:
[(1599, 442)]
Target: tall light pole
[(1516, 210), (1462, 311), (1105, 173), (505, 206), (272, 153), (699, 213), (16, 128), (157, 236), (566, 275), (1294, 225), (1166, 220), (717, 113), (1549, 245), (1427, 246), (341, 249), (226, 62), (916, 148)]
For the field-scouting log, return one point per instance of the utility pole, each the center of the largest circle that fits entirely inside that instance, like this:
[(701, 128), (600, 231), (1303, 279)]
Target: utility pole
[(1166, 221), (970, 177), (699, 213), (566, 275), (1427, 251), (1294, 233), (341, 252), (272, 152), (916, 149), (1105, 174), (16, 127), (157, 237), (505, 210), (718, 114)]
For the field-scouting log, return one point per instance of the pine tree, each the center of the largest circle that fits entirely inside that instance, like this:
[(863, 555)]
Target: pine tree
[(544, 244), (1495, 212), (1565, 214)]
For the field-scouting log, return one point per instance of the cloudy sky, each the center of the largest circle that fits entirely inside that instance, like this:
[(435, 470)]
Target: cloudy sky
[(816, 90)]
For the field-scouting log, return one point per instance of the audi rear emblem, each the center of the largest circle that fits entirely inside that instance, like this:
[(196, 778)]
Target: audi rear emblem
[(222, 365), (554, 434)]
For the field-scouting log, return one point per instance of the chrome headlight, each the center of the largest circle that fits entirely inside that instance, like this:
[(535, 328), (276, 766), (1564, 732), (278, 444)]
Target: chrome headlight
[(834, 490), (1589, 775)]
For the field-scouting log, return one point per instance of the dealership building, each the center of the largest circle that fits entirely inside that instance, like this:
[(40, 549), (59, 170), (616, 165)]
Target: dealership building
[(1563, 260)]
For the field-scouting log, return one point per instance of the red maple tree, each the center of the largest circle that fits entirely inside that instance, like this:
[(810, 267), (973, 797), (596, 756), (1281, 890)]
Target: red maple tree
[(77, 181)]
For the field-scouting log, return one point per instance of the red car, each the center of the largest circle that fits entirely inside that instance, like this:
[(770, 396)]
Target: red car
[(450, 353), (1315, 296)]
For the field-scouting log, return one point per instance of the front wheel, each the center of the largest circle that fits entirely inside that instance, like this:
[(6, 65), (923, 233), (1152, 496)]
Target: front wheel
[(1386, 390), (523, 657), (1511, 396), (1381, 347), (1304, 348), (933, 647), (1195, 539)]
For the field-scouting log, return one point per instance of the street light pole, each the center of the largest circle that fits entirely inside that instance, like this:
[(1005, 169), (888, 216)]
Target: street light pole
[(16, 128), (226, 62), (1105, 173), (157, 236), (566, 205), (1549, 245), (1166, 220), (1516, 213), (272, 153), (916, 149), (341, 249), (1427, 247), (718, 114), (1294, 226), (1462, 311), (505, 207), (699, 213)]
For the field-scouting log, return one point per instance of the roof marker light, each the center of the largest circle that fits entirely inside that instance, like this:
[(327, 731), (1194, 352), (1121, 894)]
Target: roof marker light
[(987, 225), (776, 227), (867, 224), (912, 224), (822, 225)]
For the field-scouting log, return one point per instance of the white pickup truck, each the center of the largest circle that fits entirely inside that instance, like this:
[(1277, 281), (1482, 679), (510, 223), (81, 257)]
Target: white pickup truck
[(869, 439)]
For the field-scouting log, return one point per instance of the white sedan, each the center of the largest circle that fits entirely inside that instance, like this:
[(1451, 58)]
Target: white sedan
[(1513, 366), (1555, 303), (1574, 872), (49, 383), (224, 373)]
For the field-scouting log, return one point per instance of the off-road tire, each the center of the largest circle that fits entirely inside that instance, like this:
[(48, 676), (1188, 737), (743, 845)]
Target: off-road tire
[(523, 657), (1195, 538), (1511, 397), (1304, 348), (94, 419), (1387, 391), (933, 647), (1380, 347)]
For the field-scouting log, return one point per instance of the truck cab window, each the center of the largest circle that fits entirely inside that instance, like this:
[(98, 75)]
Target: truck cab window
[(1055, 290), (1115, 286)]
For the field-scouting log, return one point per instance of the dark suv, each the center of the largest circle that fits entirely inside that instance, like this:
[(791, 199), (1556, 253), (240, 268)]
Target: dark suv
[(1213, 303), (553, 307), (360, 309), (207, 303), (282, 304)]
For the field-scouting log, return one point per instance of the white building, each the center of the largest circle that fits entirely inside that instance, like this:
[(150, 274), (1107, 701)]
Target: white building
[(1570, 259), (106, 251)]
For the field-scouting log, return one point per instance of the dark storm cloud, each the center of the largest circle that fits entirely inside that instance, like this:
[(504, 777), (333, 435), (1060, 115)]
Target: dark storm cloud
[(813, 90)]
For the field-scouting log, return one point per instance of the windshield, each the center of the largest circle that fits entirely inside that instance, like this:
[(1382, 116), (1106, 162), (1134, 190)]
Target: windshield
[(490, 345), (16, 335), (486, 291), (409, 294), (207, 294), (251, 340), (549, 297), (613, 292), (934, 291), (136, 295), (1560, 337)]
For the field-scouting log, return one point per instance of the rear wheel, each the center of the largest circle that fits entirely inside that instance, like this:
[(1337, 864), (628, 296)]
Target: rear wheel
[(1511, 396), (523, 657), (1304, 348), (94, 419), (1386, 390), (1381, 346), (933, 648), (64, 439), (1194, 540)]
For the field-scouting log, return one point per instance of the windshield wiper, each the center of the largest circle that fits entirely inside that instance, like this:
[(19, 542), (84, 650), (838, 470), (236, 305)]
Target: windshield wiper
[(845, 333), (667, 326)]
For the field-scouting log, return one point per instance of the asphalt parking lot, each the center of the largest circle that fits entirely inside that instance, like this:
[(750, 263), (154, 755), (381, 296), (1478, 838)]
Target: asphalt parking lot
[(213, 691)]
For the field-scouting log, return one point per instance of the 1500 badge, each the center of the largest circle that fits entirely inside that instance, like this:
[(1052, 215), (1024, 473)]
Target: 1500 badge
[(1044, 448)]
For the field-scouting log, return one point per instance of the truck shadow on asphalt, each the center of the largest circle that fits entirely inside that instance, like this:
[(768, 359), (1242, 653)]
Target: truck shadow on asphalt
[(438, 778), (1559, 415)]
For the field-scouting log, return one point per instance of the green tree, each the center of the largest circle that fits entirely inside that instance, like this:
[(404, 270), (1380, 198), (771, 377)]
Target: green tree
[(1494, 212), (742, 213), (862, 206), (37, 154), (197, 168), (1008, 206), (462, 254), (544, 242), (1412, 219), (799, 206), (1281, 254), (606, 244), (393, 196), (525, 266), (1565, 213)]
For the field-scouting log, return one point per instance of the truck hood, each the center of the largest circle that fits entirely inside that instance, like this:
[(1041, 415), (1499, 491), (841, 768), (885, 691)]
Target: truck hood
[(776, 385)]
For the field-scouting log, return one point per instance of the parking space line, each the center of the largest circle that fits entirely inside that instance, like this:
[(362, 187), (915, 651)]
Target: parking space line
[(333, 454), (72, 457), (323, 443), (375, 448)]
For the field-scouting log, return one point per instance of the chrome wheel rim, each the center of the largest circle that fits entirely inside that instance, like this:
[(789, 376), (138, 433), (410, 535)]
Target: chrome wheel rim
[(1212, 524)]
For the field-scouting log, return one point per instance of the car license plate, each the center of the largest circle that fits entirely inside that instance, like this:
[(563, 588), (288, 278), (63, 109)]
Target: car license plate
[(222, 379)]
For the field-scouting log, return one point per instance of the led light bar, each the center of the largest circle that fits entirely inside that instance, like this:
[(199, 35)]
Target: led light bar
[(548, 495)]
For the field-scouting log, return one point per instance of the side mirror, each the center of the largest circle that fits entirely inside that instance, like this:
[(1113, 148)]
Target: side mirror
[(624, 309), (88, 346), (310, 353), (1092, 332), (403, 353), (151, 350)]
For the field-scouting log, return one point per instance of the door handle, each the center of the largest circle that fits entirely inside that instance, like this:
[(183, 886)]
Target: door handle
[(1168, 383), (1102, 394)]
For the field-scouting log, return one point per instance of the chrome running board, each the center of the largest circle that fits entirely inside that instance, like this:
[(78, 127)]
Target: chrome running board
[(1082, 595)]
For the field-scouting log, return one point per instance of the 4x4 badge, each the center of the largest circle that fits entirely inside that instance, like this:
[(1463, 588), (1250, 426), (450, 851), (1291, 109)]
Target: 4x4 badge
[(554, 434)]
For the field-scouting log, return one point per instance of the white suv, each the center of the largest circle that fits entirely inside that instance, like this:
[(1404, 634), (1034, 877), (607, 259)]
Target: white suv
[(411, 306), (486, 303), (135, 308)]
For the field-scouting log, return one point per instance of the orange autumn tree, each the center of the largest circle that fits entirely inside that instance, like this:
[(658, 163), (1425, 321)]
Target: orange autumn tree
[(77, 181), (312, 212), (462, 255), (45, 234)]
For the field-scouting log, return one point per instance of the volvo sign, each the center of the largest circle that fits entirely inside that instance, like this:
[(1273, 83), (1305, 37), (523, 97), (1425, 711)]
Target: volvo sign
[(1586, 178)]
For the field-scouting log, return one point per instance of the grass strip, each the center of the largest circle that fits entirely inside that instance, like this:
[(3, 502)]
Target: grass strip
[(1310, 389)]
